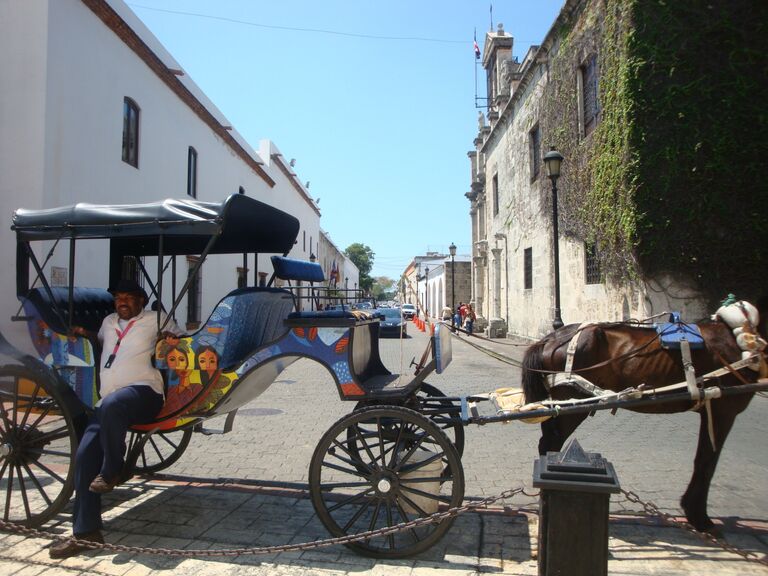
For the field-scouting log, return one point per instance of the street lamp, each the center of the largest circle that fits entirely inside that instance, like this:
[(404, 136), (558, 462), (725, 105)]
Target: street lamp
[(426, 293), (312, 257), (552, 160), (452, 250), (346, 288)]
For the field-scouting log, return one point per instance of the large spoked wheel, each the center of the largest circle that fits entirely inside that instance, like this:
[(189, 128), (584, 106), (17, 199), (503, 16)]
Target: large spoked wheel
[(38, 442), (381, 466), (161, 450), (432, 403), (442, 412)]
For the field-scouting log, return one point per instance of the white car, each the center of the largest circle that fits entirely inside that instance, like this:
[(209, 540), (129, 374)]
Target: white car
[(408, 310)]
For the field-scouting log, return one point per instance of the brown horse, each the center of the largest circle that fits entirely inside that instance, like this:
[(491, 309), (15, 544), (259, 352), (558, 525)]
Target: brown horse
[(615, 356)]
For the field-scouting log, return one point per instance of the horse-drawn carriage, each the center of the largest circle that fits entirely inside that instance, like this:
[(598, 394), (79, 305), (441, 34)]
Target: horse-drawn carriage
[(395, 458)]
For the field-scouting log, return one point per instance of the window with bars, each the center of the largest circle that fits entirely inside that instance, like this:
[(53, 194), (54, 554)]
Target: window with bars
[(192, 172), (242, 277), (534, 142), (528, 268), (592, 272), (194, 293), (590, 105), (495, 194), (130, 132)]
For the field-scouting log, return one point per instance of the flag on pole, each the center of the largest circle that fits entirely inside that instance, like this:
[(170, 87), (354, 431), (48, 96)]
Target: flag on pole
[(477, 48)]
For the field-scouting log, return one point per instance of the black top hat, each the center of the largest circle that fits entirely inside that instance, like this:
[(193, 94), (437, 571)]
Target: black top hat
[(128, 285)]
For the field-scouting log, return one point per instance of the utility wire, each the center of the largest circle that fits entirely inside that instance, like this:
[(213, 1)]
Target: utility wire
[(296, 29)]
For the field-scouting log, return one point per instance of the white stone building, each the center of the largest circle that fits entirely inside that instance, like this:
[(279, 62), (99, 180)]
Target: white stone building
[(511, 206), (94, 109)]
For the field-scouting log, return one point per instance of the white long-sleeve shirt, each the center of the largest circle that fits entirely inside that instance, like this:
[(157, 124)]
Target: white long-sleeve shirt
[(132, 364)]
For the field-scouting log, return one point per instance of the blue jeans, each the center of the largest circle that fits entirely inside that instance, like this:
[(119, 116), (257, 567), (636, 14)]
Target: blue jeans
[(102, 448)]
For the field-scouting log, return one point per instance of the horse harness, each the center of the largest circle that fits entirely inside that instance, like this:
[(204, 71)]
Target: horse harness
[(673, 335)]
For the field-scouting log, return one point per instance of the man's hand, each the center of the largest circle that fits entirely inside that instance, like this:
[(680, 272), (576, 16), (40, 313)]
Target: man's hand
[(79, 331)]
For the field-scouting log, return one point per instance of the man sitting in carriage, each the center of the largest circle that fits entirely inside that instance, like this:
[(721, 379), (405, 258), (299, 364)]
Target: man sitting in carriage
[(131, 393)]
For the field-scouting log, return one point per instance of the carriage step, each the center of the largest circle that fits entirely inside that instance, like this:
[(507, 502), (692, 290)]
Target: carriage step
[(228, 423)]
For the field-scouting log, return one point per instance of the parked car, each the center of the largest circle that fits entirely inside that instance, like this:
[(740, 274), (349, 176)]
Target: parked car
[(409, 311), (392, 323)]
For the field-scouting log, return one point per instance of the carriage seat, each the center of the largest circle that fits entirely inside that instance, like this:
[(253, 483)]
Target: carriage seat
[(257, 318), (242, 321), (91, 306), (672, 332), (322, 314)]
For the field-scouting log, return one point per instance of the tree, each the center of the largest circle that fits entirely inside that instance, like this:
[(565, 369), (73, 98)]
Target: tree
[(362, 257), (384, 288)]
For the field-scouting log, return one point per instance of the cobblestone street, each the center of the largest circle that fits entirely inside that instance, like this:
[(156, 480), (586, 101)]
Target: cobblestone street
[(275, 435)]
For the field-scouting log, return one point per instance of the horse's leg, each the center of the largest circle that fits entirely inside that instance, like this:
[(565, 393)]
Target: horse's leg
[(694, 501), (555, 431)]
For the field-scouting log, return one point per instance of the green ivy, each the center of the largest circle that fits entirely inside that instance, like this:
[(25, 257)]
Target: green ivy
[(670, 181)]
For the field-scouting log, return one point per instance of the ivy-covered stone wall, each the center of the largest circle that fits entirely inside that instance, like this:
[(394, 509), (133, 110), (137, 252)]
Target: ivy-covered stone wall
[(670, 181), (700, 100)]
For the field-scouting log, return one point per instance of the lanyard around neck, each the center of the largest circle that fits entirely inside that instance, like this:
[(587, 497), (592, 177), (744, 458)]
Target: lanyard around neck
[(120, 336)]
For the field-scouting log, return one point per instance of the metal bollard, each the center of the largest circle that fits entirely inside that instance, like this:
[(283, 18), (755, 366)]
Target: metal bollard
[(573, 511)]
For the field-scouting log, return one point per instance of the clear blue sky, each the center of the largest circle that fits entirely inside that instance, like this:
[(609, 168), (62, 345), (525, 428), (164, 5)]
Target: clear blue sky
[(374, 100)]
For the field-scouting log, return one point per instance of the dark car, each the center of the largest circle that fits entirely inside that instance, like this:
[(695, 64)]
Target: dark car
[(392, 323)]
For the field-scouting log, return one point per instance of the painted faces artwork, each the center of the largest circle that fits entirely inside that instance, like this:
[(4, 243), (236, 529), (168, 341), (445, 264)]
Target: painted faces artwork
[(176, 359), (208, 360)]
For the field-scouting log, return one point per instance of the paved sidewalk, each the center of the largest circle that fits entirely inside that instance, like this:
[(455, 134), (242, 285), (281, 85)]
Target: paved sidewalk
[(202, 516)]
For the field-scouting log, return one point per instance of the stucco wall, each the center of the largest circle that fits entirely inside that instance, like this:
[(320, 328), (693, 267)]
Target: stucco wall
[(65, 76)]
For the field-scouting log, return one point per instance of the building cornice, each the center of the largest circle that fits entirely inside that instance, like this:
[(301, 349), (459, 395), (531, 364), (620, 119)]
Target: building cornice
[(170, 77), (279, 161)]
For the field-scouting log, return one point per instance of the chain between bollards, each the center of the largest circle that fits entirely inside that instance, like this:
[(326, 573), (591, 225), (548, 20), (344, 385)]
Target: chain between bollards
[(431, 519), (652, 509)]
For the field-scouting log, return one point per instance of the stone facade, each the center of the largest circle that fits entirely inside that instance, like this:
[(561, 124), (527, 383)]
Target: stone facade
[(511, 207)]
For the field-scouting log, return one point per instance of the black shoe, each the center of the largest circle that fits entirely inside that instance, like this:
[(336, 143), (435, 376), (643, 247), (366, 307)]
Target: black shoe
[(68, 548), (101, 485)]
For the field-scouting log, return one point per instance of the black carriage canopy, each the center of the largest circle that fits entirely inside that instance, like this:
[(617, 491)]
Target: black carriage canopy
[(241, 224)]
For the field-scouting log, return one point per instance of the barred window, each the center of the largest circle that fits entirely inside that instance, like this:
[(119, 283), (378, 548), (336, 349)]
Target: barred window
[(590, 106), (194, 294), (130, 132), (528, 268), (192, 172), (534, 139), (592, 272), (242, 277)]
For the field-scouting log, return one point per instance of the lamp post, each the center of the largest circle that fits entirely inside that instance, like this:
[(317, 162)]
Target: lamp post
[(426, 293), (452, 250), (553, 159), (346, 288), (312, 257)]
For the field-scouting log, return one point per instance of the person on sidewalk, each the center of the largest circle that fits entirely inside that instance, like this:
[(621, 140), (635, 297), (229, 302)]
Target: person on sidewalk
[(470, 319), (457, 320), (131, 393)]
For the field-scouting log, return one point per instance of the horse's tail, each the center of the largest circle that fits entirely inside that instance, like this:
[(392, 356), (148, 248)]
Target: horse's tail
[(533, 377)]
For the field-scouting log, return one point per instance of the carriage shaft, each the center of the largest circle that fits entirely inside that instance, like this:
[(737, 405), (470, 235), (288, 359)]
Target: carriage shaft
[(469, 416)]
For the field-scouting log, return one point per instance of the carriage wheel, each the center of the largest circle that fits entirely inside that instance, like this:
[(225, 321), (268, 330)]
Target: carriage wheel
[(161, 450), (38, 442), (441, 412), (435, 410), (381, 466)]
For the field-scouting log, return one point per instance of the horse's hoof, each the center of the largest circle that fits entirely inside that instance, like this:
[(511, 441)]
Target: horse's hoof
[(704, 525), (714, 531)]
